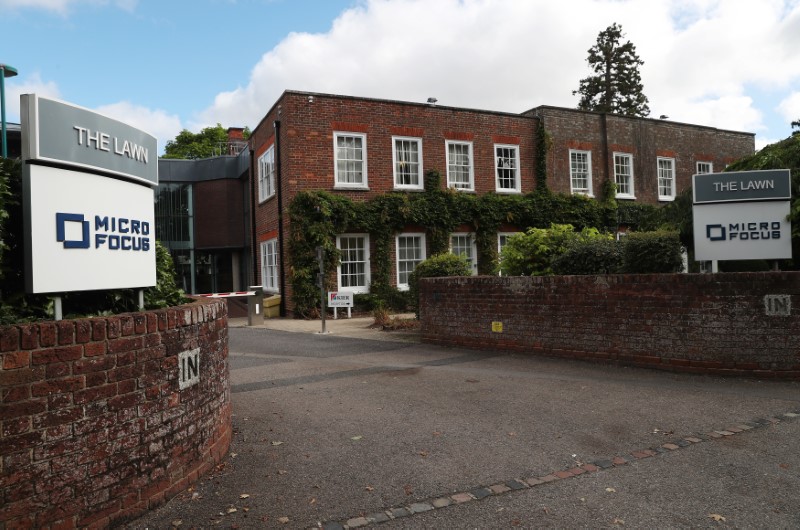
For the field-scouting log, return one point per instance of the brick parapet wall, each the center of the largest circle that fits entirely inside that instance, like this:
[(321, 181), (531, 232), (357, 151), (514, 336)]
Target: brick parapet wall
[(95, 430), (644, 139), (699, 323)]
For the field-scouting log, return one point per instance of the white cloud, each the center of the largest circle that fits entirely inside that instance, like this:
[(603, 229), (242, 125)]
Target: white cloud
[(700, 56), (762, 142), (31, 84), (159, 123), (62, 7), (162, 125), (734, 112), (790, 107)]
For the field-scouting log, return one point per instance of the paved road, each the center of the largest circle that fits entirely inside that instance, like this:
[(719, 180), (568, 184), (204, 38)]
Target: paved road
[(330, 429)]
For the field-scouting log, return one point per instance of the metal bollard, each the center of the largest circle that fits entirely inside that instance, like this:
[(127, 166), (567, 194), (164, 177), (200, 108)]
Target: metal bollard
[(255, 307)]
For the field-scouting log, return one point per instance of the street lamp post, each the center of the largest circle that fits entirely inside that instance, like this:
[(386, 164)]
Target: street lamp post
[(5, 71)]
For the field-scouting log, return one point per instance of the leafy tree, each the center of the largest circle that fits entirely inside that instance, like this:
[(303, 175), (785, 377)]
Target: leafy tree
[(211, 141), (532, 253), (796, 125), (616, 85), (784, 154)]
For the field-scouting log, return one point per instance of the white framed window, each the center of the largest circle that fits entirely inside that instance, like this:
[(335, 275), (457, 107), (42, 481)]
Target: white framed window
[(350, 164), (353, 273), (580, 172), (269, 266), (623, 175), (266, 174), (460, 173), (502, 239), (407, 156), (506, 168), (410, 249), (666, 179), (705, 167), (463, 244)]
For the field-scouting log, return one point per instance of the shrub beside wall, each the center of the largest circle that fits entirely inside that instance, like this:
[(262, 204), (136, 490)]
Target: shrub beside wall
[(95, 430), (707, 323)]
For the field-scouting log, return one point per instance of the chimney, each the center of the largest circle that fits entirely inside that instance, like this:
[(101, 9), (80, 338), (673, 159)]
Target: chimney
[(235, 134)]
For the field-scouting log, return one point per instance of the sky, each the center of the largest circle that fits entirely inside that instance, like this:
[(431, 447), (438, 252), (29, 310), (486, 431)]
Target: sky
[(168, 65)]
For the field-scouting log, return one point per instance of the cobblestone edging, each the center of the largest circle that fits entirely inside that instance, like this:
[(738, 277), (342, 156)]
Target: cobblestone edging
[(481, 492)]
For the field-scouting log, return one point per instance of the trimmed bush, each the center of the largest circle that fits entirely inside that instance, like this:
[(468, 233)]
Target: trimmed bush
[(440, 265), (652, 252), (532, 253), (593, 256)]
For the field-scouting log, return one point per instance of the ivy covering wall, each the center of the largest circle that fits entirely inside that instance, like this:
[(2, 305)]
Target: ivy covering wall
[(317, 217)]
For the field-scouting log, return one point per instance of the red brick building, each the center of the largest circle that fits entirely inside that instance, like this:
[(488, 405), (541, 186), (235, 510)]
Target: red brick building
[(361, 148), (650, 161)]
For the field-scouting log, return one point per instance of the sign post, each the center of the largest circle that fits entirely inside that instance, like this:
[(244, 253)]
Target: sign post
[(321, 283)]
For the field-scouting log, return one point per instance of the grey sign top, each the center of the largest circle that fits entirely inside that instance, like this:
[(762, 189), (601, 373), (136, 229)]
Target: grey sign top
[(772, 184), (67, 134)]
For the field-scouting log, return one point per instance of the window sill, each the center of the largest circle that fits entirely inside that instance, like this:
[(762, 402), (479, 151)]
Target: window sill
[(461, 190), (404, 188), (262, 201), (584, 194), (666, 199), (508, 192), (354, 290), (350, 188), (626, 196)]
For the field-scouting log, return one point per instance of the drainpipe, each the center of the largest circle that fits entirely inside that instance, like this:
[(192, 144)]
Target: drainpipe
[(251, 280), (604, 132), (279, 192)]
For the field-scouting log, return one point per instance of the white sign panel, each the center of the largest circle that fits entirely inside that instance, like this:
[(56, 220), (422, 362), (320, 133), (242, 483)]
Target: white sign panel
[(742, 231), (87, 232), (340, 299)]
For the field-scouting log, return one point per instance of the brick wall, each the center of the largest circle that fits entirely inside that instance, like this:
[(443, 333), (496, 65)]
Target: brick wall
[(95, 430), (645, 139), (683, 322)]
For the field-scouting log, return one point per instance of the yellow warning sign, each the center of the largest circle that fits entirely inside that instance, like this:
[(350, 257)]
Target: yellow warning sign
[(497, 327)]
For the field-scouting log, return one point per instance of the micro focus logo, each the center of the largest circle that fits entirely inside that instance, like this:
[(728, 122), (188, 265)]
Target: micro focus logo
[(744, 231), (61, 230), (112, 233)]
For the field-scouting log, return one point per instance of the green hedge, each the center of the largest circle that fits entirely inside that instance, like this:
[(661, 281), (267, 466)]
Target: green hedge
[(434, 267), (597, 256), (652, 252)]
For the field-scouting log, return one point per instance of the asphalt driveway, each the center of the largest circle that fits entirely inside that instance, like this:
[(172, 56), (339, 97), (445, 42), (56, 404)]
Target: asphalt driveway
[(333, 430)]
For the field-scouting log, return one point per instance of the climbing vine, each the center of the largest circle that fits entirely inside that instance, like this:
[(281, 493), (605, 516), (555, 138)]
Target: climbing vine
[(543, 143), (318, 216)]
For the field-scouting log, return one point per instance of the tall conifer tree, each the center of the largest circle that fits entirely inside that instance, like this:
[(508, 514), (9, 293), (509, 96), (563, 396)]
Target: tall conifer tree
[(616, 85)]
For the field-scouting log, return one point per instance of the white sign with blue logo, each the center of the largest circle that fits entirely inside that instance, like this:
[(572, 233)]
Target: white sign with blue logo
[(88, 232), (88, 199), (742, 215)]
